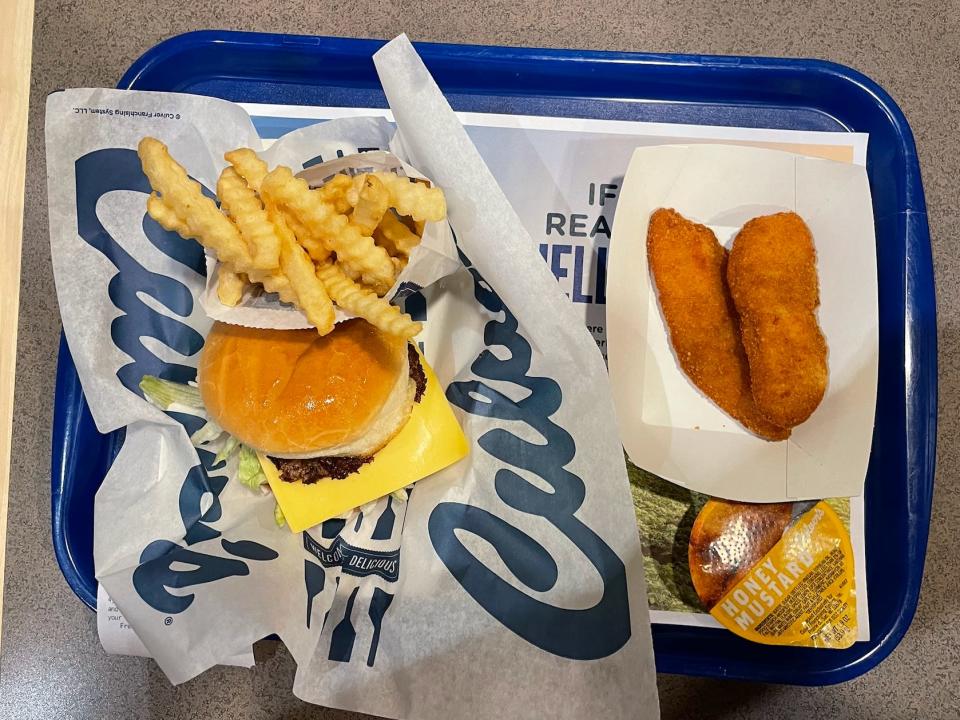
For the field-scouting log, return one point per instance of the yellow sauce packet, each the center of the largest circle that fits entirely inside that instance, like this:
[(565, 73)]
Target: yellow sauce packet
[(801, 592), (430, 441)]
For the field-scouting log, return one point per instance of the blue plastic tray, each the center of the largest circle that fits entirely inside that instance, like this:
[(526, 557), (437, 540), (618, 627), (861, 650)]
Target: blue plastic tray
[(753, 92)]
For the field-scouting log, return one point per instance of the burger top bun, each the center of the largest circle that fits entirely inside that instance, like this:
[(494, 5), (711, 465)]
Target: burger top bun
[(297, 394)]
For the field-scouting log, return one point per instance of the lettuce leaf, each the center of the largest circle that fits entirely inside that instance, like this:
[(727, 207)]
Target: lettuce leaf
[(208, 433), (229, 445), (250, 473), (166, 393)]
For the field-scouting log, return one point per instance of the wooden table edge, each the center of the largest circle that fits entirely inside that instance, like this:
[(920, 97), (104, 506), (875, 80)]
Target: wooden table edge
[(16, 18)]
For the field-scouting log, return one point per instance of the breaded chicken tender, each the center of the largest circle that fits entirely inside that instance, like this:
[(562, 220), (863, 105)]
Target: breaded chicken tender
[(772, 274), (689, 269)]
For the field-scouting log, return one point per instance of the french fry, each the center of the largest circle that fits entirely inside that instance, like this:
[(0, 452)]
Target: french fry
[(394, 236), (200, 216), (364, 303), (299, 269), (335, 191), (319, 218), (160, 211), (230, 286), (272, 279), (243, 206), (372, 201), (275, 283), (332, 191), (317, 250), (248, 165), (313, 247), (165, 216), (415, 199)]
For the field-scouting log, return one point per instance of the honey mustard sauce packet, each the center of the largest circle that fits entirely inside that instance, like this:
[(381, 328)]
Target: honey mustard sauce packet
[(777, 573)]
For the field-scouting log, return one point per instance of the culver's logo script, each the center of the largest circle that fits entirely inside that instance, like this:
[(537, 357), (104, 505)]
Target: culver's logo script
[(161, 562), (583, 634)]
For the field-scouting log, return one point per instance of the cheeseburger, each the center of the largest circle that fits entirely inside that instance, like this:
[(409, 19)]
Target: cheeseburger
[(317, 406)]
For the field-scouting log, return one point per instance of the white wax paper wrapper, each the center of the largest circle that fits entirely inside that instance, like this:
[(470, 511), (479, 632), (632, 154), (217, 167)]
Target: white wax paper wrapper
[(434, 258), (512, 580), (118, 638), (666, 424)]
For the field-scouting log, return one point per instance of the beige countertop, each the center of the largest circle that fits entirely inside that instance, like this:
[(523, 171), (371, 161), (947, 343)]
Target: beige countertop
[(52, 665)]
